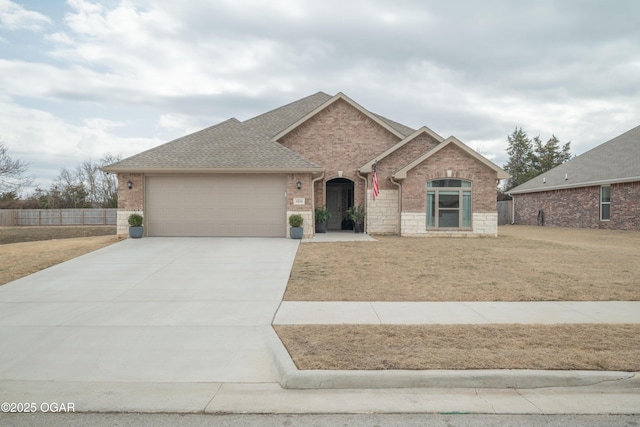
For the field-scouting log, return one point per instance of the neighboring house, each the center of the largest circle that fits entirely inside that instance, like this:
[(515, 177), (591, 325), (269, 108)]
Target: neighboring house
[(246, 178), (598, 189)]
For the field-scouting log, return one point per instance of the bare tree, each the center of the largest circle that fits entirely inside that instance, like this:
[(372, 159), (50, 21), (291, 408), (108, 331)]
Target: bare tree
[(84, 187), (109, 183), (12, 172)]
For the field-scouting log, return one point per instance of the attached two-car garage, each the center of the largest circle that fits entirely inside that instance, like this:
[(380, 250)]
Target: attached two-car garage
[(216, 205)]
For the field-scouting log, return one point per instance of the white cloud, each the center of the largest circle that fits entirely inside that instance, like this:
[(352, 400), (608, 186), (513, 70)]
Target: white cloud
[(475, 71), (50, 143), (15, 17), (100, 124)]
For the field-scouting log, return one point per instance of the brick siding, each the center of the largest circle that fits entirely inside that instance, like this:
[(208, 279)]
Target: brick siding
[(129, 200), (462, 166), (340, 138), (580, 207)]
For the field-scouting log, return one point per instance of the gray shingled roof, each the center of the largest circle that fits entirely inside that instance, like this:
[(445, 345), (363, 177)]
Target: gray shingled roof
[(617, 160), (232, 145), (229, 145), (275, 121), (405, 130)]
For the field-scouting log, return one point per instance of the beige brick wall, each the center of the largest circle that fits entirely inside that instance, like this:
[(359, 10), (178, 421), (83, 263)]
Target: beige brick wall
[(415, 224), (340, 138), (382, 213), (462, 166), (305, 191), (131, 199)]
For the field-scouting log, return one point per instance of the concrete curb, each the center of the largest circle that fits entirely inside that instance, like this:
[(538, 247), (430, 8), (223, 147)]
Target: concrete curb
[(293, 378), (496, 379)]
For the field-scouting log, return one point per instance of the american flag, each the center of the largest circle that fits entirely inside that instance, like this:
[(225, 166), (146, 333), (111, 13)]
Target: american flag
[(374, 185)]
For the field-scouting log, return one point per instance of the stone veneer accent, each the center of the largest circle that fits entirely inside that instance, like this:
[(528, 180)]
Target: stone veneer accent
[(484, 224), (308, 226), (122, 221), (382, 213)]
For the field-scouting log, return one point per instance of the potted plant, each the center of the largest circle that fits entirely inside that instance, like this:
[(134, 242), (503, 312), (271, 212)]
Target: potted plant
[(356, 214), (323, 215), (296, 230), (346, 224), (135, 226)]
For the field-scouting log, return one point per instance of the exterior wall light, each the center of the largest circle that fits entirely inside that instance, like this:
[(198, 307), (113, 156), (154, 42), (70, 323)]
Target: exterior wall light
[(129, 185), (299, 185)]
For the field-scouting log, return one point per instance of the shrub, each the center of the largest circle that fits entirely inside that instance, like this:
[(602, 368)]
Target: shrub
[(135, 220), (322, 214), (296, 220)]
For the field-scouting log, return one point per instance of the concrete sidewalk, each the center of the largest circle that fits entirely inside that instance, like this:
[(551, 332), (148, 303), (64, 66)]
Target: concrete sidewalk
[(416, 313)]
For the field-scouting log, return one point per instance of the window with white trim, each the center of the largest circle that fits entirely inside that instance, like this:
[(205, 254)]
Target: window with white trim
[(449, 204), (605, 203)]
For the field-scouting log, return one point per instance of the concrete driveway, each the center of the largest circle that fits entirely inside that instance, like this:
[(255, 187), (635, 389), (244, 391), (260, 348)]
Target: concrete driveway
[(152, 310)]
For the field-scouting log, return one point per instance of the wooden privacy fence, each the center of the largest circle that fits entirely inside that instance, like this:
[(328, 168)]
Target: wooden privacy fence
[(15, 217), (504, 212)]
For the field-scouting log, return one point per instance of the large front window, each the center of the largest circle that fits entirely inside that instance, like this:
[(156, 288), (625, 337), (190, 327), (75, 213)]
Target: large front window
[(449, 203)]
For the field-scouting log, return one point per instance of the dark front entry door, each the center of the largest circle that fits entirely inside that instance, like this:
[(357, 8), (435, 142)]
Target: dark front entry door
[(339, 199)]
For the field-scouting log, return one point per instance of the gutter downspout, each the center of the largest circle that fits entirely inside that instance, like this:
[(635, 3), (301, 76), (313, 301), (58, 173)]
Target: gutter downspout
[(399, 185), (366, 199), (313, 198), (513, 208)]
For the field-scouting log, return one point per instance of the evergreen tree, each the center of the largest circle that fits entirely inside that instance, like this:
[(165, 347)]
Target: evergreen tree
[(521, 158), (529, 158), (550, 155)]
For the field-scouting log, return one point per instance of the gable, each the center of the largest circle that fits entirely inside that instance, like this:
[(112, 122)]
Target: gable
[(454, 142), (339, 137), (388, 125), (416, 138)]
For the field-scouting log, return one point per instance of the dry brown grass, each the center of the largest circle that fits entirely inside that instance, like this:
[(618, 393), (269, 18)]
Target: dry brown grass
[(21, 259), (378, 347), (522, 264)]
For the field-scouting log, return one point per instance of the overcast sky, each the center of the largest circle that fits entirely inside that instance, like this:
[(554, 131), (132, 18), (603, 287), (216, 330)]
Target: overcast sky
[(82, 78)]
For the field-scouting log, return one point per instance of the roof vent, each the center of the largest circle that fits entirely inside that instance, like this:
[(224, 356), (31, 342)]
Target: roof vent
[(544, 180), (566, 176)]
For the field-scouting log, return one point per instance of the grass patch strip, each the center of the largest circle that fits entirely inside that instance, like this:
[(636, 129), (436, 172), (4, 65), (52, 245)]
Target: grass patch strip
[(424, 347)]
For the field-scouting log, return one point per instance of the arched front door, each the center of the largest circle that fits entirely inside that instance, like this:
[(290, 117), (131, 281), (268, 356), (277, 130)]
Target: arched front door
[(339, 199)]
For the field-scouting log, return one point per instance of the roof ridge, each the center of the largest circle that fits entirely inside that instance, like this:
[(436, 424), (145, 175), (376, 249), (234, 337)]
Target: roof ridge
[(287, 105), (274, 121)]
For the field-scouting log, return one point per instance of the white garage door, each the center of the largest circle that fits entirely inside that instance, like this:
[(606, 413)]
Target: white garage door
[(216, 205)]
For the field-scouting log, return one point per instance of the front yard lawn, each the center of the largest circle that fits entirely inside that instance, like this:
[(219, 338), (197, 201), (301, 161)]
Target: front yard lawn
[(522, 264)]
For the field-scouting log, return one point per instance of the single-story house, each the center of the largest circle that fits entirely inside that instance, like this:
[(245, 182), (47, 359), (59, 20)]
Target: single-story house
[(598, 189), (246, 178)]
